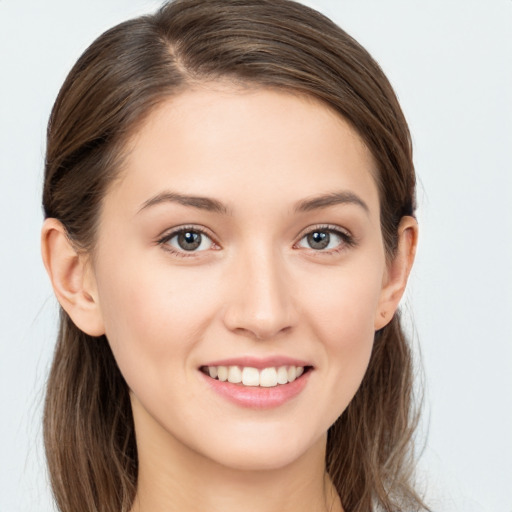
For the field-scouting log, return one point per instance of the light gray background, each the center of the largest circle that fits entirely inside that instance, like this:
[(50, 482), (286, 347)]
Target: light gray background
[(450, 62)]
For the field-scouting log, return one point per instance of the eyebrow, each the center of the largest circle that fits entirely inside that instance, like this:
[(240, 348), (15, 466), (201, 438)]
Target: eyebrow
[(326, 200), (199, 202), (213, 205)]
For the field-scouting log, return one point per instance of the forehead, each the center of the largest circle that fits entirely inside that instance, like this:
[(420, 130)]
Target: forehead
[(231, 142)]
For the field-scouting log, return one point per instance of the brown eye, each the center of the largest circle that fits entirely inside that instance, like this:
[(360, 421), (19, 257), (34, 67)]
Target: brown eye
[(188, 240), (325, 239), (318, 239)]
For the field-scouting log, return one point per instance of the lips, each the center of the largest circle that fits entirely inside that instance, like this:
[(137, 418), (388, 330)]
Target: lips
[(257, 383)]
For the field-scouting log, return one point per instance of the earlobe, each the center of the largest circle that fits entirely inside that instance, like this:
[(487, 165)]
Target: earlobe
[(72, 278), (398, 271)]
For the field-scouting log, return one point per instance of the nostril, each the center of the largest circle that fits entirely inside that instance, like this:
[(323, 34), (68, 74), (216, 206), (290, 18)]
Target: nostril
[(262, 308)]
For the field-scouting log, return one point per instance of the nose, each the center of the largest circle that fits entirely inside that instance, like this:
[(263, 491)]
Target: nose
[(260, 303)]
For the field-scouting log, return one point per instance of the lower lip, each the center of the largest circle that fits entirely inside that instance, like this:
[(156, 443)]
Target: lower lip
[(256, 397)]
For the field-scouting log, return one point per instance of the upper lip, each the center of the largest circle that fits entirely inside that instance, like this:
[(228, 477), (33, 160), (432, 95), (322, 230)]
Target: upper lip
[(259, 362)]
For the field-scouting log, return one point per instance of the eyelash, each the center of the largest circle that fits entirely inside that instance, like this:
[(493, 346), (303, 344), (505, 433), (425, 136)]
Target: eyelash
[(163, 241), (347, 239)]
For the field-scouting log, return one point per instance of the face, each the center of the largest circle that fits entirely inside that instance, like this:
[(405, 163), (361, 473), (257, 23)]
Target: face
[(242, 241)]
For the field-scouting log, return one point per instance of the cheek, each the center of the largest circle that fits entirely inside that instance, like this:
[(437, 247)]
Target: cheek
[(342, 314), (342, 306), (153, 314)]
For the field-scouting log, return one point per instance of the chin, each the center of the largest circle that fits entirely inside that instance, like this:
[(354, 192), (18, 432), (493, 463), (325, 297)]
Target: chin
[(265, 452)]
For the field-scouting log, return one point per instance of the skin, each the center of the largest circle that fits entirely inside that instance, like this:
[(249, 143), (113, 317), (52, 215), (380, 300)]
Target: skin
[(255, 287)]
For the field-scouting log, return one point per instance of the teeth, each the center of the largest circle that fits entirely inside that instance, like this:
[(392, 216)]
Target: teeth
[(282, 375), (250, 376), (266, 378), (234, 375), (222, 373)]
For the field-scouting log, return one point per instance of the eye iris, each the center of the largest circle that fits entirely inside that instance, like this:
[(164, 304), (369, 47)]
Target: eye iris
[(318, 239), (189, 240)]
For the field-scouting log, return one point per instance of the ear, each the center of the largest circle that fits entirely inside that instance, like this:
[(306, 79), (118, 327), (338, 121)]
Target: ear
[(397, 272), (72, 278)]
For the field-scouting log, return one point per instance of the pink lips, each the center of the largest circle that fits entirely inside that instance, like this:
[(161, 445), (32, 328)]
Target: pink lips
[(258, 397), (259, 363)]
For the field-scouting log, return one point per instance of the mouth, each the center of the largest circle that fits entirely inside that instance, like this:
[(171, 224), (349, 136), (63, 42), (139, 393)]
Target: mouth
[(248, 376), (257, 383)]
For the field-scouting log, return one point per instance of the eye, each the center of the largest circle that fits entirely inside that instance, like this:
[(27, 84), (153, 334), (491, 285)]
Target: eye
[(187, 240), (325, 239)]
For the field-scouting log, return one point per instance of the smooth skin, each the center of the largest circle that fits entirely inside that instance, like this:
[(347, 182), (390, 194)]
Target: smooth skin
[(251, 174)]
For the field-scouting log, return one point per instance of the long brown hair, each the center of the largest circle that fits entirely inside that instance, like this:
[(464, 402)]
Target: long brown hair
[(118, 81)]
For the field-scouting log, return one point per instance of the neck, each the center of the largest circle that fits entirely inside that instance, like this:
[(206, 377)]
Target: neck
[(172, 477)]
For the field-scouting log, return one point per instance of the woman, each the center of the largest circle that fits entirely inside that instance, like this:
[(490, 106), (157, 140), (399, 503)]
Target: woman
[(229, 201)]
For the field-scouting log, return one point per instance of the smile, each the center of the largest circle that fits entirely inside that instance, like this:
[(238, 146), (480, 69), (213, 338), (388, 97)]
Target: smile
[(257, 383), (254, 377)]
